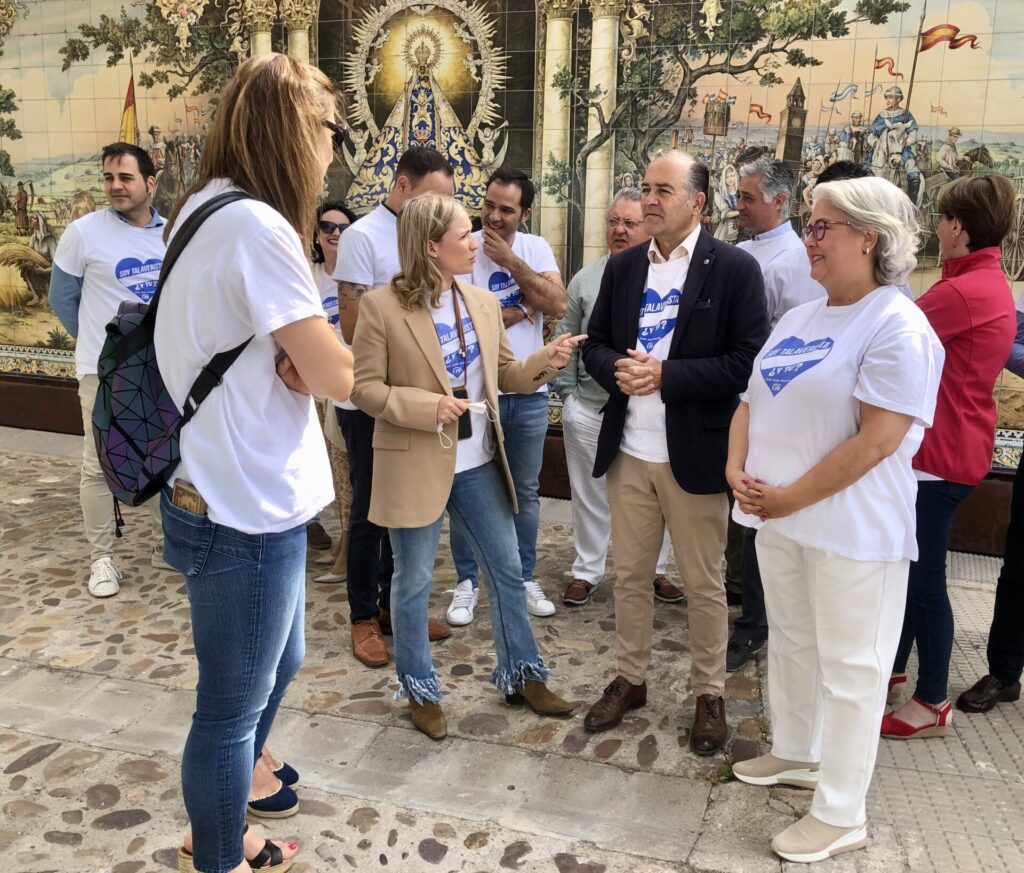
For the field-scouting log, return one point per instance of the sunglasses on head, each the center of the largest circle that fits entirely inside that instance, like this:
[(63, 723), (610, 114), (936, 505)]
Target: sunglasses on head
[(330, 227)]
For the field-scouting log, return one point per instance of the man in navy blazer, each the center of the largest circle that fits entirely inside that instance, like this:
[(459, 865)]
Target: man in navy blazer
[(672, 338)]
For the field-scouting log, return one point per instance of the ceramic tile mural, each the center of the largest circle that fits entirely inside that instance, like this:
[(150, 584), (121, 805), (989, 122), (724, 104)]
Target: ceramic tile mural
[(576, 92)]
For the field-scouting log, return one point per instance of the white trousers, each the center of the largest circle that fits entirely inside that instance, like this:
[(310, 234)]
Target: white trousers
[(96, 499), (833, 627), (591, 517)]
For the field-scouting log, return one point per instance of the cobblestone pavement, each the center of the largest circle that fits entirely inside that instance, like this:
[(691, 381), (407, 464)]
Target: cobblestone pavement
[(95, 700)]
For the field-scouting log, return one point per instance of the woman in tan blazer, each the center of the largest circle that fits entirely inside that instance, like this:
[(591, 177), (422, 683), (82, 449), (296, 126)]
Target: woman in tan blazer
[(429, 364)]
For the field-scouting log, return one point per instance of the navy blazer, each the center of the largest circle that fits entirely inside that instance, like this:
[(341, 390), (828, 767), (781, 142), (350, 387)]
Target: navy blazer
[(721, 326)]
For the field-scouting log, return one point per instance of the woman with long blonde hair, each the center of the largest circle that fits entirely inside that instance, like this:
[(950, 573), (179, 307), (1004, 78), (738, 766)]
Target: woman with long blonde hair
[(431, 356), (253, 466)]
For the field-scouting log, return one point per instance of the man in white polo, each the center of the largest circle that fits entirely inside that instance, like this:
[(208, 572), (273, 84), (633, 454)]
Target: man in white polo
[(367, 259), (104, 259), (521, 271)]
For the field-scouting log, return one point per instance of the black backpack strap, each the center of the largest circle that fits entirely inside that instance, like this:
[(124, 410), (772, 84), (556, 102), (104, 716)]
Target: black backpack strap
[(213, 373), (184, 235), (209, 378)]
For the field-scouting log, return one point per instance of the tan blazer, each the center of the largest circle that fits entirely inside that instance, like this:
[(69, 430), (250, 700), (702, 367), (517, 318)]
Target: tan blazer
[(399, 378)]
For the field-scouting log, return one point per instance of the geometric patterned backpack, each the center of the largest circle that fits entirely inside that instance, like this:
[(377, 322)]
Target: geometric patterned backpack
[(134, 421)]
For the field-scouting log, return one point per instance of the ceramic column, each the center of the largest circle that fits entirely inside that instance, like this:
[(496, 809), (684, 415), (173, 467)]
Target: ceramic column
[(556, 118), (260, 15), (604, 49), (298, 16)]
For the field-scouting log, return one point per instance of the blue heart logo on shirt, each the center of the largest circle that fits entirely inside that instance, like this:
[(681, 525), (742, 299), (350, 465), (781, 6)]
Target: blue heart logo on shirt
[(139, 277), (649, 335), (791, 357), (507, 289), (331, 309), (447, 334)]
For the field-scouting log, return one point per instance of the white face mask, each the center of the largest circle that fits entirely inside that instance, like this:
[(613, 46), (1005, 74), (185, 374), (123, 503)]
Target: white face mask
[(480, 407)]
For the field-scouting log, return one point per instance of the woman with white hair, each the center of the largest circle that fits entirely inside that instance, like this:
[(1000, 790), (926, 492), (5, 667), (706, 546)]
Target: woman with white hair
[(820, 456)]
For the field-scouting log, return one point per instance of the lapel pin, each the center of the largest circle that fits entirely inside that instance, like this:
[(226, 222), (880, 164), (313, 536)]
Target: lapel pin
[(707, 260)]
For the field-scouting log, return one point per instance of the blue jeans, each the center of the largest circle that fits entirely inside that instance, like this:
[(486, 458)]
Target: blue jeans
[(524, 421), (928, 618), (246, 593), (479, 509)]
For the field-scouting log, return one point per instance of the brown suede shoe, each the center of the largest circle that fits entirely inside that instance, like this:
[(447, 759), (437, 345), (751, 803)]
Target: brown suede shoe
[(317, 538), (709, 729), (541, 699), (429, 719), (619, 697), (577, 593), (666, 592), (435, 630), (368, 644)]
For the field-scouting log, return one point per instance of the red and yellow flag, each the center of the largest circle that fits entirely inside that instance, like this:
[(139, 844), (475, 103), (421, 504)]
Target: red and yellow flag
[(129, 132), (758, 110), (889, 65), (947, 33)]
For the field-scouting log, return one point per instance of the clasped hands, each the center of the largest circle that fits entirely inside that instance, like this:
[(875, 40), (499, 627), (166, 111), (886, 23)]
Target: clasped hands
[(756, 497), (639, 374)]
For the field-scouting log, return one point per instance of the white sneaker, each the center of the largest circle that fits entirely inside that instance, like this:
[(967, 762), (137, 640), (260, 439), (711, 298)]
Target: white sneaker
[(537, 602), (769, 770), (811, 839), (157, 560), (464, 599), (104, 580)]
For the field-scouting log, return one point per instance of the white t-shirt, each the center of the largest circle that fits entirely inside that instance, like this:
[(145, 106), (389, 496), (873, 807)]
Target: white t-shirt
[(644, 435), (808, 381), (786, 268), (478, 449), (254, 450), (118, 262), (523, 337), (368, 250), (329, 298)]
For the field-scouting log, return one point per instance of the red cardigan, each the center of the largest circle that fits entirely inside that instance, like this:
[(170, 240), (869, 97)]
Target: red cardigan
[(971, 309)]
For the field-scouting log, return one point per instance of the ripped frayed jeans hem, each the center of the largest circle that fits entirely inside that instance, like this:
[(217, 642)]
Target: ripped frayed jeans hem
[(507, 680), (420, 690)]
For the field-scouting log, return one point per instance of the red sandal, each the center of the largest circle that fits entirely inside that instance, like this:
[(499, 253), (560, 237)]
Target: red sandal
[(896, 729), (893, 694)]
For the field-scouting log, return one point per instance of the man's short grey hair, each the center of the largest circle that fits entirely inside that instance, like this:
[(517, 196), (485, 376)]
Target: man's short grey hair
[(698, 177), (876, 204), (633, 195), (776, 179)]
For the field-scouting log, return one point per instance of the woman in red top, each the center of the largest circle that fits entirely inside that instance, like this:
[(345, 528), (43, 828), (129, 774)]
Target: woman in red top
[(972, 311)]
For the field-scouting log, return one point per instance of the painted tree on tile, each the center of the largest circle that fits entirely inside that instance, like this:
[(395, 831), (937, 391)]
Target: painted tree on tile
[(205, 66), (755, 38)]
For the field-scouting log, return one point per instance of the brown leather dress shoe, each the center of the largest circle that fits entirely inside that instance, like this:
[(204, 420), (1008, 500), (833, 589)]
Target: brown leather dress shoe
[(429, 719), (577, 593), (541, 699), (317, 538), (666, 592), (435, 630), (709, 729), (986, 693), (368, 644), (619, 697)]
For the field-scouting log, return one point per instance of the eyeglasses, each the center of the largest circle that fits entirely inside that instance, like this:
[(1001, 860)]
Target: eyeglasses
[(627, 223), (935, 219), (330, 227), (821, 226)]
